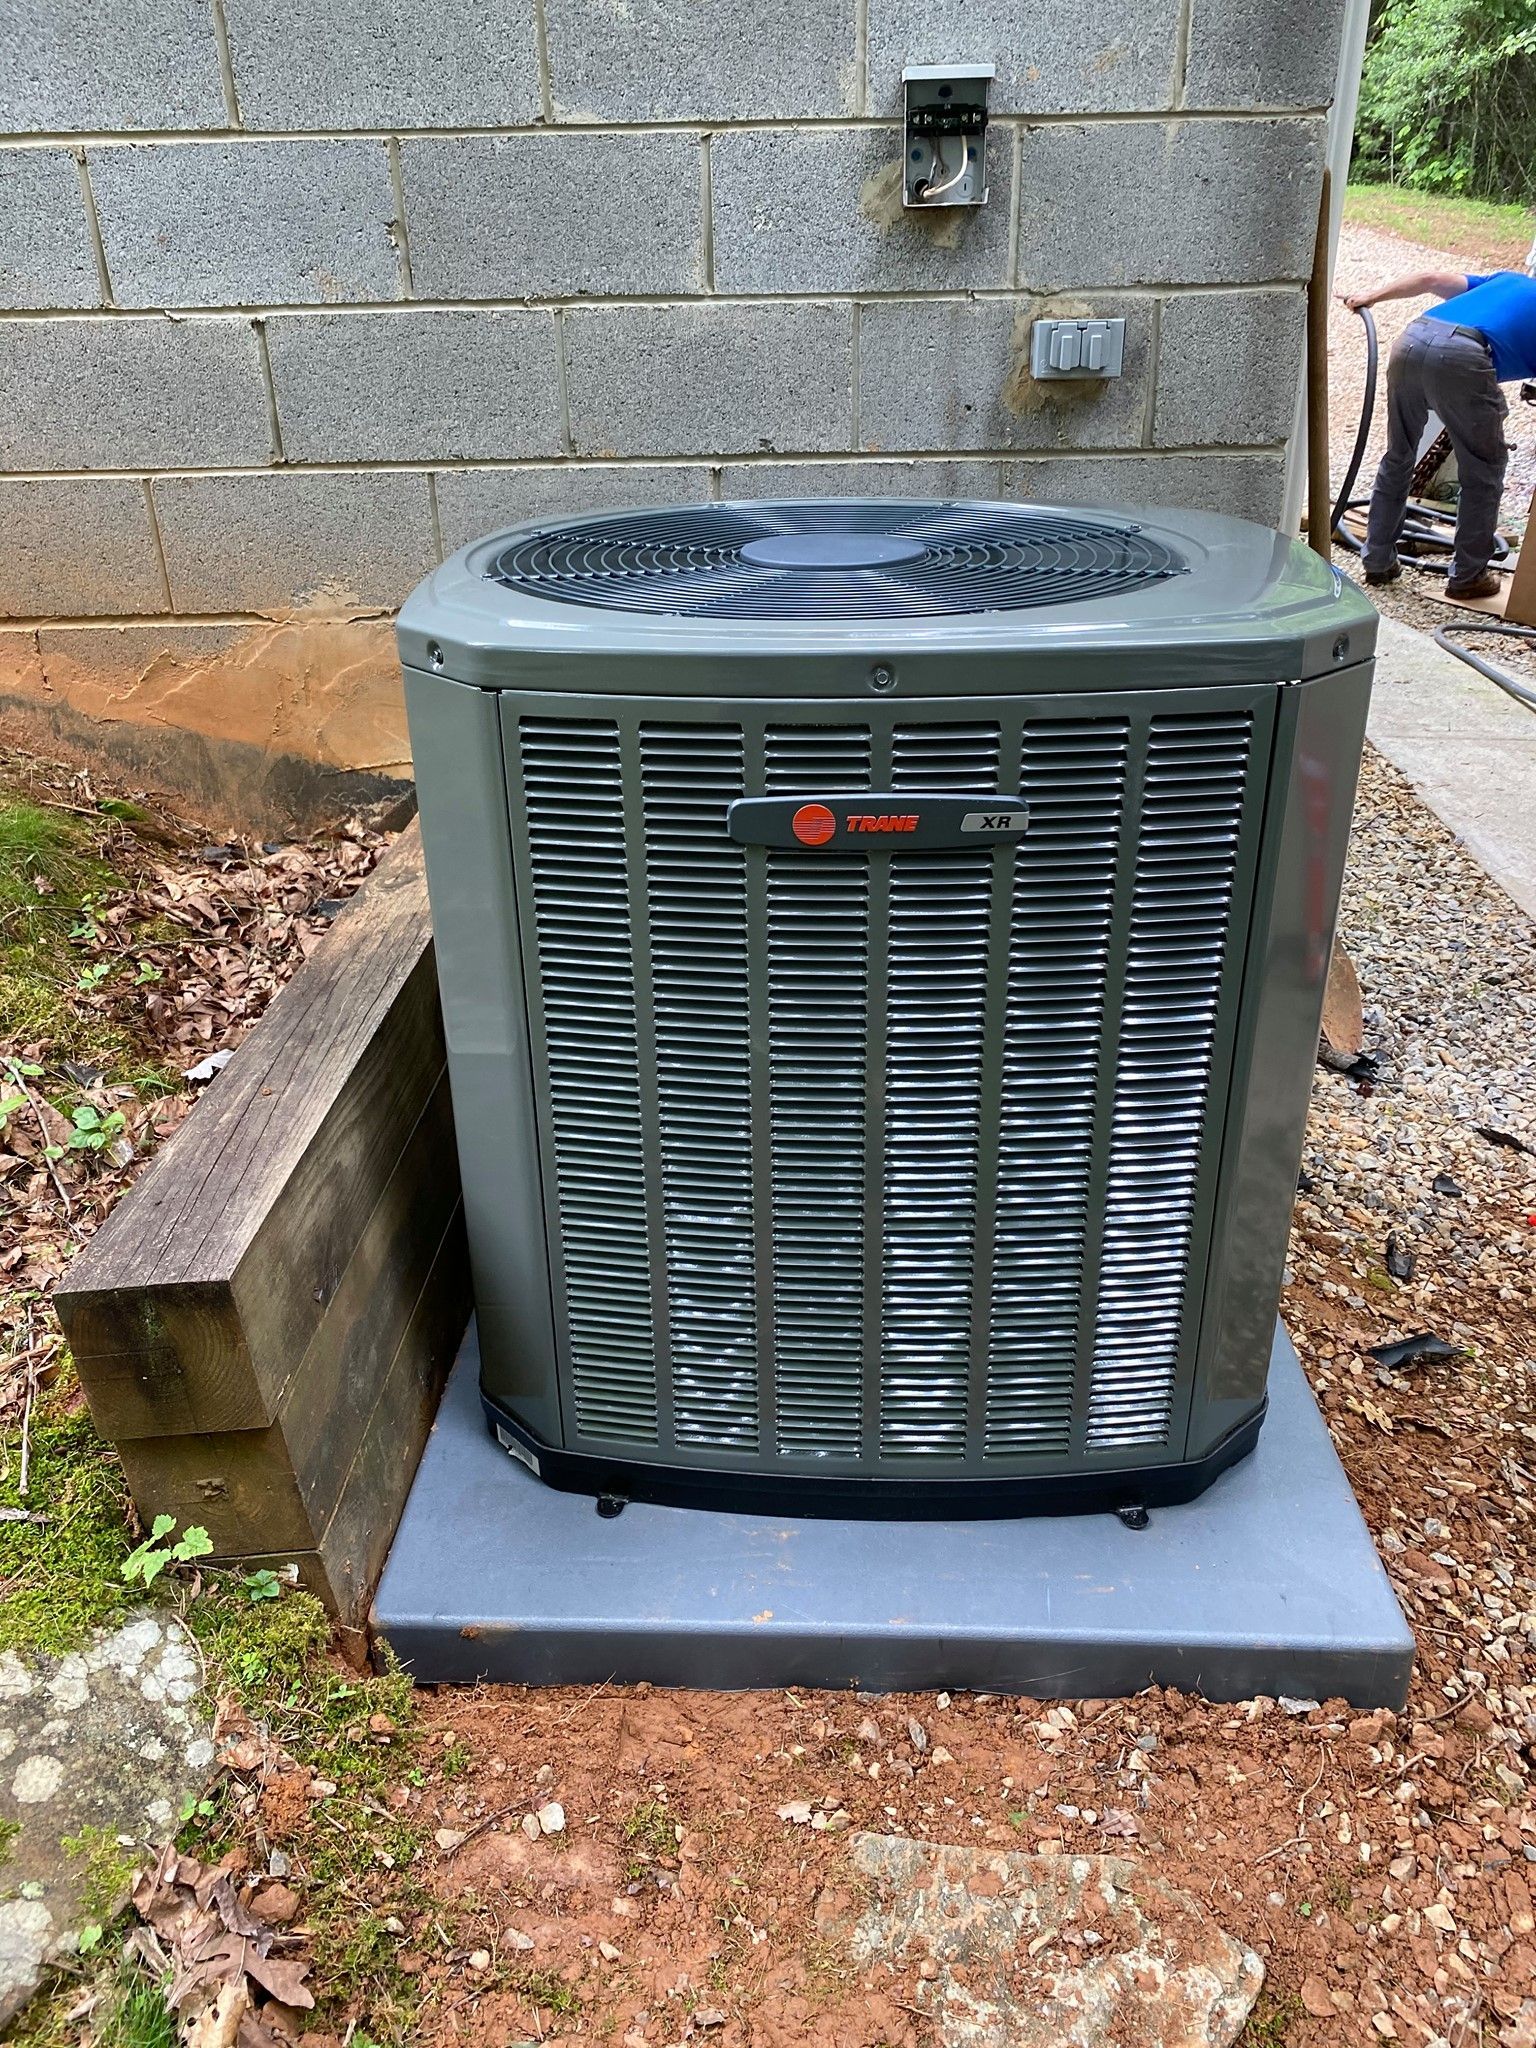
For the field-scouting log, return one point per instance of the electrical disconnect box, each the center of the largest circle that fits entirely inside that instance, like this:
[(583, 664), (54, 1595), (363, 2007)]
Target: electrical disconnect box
[(944, 162), (1077, 348)]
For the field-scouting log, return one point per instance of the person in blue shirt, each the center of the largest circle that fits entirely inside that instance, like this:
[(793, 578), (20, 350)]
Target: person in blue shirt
[(1451, 360)]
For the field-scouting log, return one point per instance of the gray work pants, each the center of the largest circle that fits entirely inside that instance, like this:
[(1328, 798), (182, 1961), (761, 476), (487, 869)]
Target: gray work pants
[(1438, 368)]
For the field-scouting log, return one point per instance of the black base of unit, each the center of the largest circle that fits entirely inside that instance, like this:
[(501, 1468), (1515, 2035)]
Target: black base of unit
[(613, 1482)]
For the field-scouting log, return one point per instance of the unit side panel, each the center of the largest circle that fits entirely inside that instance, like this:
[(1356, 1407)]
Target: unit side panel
[(789, 1230), (1317, 761), (456, 747)]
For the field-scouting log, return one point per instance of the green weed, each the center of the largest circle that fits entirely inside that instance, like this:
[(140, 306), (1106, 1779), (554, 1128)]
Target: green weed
[(1270, 2022)]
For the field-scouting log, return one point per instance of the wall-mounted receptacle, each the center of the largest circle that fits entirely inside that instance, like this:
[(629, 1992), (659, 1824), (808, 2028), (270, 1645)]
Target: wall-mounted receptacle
[(944, 162), (1077, 348)]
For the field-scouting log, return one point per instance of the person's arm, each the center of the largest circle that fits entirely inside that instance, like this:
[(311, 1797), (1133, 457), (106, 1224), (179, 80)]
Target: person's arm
[(1444, 284)]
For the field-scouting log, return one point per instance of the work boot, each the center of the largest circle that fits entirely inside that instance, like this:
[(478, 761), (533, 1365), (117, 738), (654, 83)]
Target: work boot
[(1488, 584), (1390, 574)]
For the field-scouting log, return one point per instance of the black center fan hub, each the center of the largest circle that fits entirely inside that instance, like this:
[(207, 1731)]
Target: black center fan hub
[(829, 561)]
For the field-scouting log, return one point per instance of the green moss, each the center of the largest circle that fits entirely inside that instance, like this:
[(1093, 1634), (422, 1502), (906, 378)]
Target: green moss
[(60, 1577), (109, 1870), (9, 1830)]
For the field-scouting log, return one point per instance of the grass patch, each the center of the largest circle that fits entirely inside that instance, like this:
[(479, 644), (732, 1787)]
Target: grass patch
[(652, 1834), (1484, 235), (9, 1830), (138, 2017), (1270, 2022)]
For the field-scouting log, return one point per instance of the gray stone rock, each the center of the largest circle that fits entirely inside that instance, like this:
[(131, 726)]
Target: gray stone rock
[(77, 547), (261, 543), (1015, 1951), (412, 64), (1109, 56), (45, 246), (414, 385), (246, 223), (554, 216), (819, 210), (74, 66), (1229, 365), (711, 60), (709, 379), (1173, 202), (103, 1746), (141, 391)]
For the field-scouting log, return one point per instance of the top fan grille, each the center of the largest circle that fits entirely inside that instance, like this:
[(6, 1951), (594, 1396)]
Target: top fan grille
[(688, 561)]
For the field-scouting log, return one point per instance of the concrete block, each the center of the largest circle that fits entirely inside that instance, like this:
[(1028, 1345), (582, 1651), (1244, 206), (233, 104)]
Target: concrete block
[(265, 542), (1244, 486), (416, 385), (411, 64), (78, 67), (819, 210), (1169, 202), (1228, 367), (709, 60), (1077, 56), (246, 223), (475, 502), (922, 477), (130, 393), (46, 257), (77, 547), (709, 379), (946, 373), (553, 216), (1250, 53)]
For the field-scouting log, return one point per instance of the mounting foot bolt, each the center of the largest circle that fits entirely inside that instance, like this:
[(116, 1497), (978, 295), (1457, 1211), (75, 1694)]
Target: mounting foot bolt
[(1135, 1516), (611, 1505)]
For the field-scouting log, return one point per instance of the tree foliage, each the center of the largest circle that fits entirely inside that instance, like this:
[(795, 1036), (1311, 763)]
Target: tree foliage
[(1448, 98)]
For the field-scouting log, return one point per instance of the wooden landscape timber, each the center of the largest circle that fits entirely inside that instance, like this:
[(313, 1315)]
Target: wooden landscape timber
[(263, 1325)]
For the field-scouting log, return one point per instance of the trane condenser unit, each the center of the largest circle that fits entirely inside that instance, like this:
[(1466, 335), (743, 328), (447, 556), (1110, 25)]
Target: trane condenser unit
[(882, 946)]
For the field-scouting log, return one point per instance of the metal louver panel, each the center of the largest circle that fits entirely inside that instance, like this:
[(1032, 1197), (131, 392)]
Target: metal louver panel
[(1186, 862), (884, 1163), (1059, 937), (573, 789), (817, 918), (695, 906), (939, 911)]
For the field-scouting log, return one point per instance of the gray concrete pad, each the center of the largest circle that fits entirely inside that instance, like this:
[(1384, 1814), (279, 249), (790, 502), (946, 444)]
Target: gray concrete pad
[(1466, 746), (1269, 1583)]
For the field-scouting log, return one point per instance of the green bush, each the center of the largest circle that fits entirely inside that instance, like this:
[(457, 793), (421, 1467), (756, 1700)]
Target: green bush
[(1448, 98)]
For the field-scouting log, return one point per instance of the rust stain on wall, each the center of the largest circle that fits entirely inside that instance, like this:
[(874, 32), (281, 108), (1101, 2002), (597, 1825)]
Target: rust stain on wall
[(303, 709), (880, 203)]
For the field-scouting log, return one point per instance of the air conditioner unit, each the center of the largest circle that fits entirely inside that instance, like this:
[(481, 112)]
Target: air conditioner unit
[(881, 948)]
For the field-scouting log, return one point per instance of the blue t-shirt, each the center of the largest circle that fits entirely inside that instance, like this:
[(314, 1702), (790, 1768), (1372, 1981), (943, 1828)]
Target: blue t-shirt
[(1502, 306)]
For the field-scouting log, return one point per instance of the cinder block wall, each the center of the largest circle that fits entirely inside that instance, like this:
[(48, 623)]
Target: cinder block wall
[(302, 294)]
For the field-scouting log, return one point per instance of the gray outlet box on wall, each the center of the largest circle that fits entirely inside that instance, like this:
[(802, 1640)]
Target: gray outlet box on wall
[(1077, 348), (944, 161)]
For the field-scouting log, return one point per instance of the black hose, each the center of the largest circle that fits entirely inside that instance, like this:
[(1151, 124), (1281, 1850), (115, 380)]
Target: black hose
[(1342, 502), (1523, 692)]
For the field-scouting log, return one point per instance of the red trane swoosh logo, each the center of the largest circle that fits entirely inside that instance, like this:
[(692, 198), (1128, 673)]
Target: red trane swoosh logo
[(813, 824)]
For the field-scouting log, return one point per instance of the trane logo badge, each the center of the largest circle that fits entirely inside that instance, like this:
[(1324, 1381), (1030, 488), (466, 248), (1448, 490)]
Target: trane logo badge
[(878, 821), (813, 824)]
